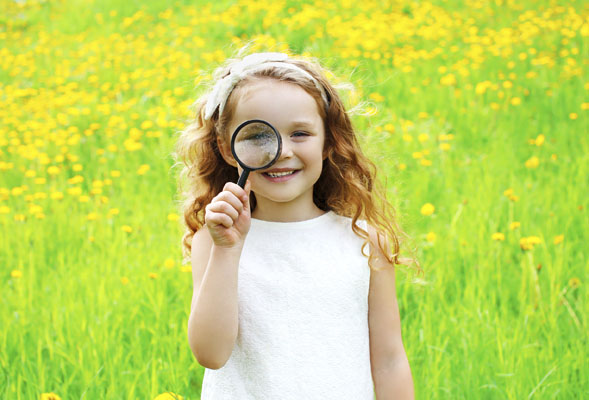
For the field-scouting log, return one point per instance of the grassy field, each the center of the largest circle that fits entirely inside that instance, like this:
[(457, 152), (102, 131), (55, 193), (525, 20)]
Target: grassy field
[(477, 119)]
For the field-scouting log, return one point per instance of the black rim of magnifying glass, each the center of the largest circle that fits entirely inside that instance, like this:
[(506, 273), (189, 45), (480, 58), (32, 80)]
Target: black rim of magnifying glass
[(246, 168)]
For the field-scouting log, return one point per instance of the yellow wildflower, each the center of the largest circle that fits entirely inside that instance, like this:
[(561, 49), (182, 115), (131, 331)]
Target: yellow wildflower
[(528, 243), (143, 169), (126, 228), (50, 396), (124, 280), (574, 282), (498, 236), (533, 162), (427, 209), (168, 396), (169, 263), (514, 225), (16, 273), (153, 275), (173, 217), (558, 239), (430, 237)]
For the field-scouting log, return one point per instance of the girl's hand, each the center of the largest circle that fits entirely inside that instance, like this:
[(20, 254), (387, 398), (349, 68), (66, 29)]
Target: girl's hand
[(228, 215)]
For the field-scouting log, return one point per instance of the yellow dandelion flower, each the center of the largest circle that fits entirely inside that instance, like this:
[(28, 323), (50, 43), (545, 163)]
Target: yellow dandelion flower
[(417, 155), (508, 192), (74, 191), (539, 140), (53, 170), (4, 210), (553, 157), (50, 396), (84, 199), (427, 209), (430, 237), (402, 167), (113, 211), (169, 263), (40, 181), (146, 125), (91, 239), (425, 162), (532, 162), (558, 239), (448, 80), (376, 97), (168, 396), (516, 101), (573, 116), (124, 280), (498, 236), (173, 217), (528, 243), (153, 275), (143, 169), (16, 273), (445, 146), (20, 217), (115, 173), (389, 128), (56, 195), (92, 216), (423, 137), (514, 225), (574, 282), (126, 228), (77, 167), (186, 268)]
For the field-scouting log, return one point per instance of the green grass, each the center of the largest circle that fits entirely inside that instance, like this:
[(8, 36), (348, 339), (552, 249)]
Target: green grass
[(95, 302)]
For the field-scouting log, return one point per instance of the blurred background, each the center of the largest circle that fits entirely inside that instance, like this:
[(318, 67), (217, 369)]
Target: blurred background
[(474, 111)]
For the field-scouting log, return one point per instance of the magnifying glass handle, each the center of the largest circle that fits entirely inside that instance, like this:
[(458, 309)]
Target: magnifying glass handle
[(243, 178)]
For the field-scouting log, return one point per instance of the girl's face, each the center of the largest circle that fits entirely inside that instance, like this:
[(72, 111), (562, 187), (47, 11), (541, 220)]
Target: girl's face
[(294, 113)]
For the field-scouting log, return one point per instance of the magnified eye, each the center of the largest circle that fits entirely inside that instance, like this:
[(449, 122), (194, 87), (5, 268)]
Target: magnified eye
[(257, 136)]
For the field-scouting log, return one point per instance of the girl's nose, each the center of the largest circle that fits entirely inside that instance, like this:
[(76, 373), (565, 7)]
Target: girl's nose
[(286, 150)]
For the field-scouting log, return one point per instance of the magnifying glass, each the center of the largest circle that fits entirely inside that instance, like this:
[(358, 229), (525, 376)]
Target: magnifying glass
[(255, 145)]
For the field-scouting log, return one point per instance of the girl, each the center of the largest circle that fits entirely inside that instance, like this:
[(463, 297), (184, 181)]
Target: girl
[(286, 303)]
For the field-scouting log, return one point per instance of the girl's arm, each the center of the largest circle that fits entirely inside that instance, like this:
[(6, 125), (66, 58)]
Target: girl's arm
[(216, 250), (390, 368)]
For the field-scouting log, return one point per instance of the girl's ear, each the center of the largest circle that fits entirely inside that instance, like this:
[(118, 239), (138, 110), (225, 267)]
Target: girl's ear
[(225, 150)]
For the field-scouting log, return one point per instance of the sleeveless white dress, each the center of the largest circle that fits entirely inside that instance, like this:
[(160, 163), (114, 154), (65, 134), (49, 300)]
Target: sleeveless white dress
[(303, 315)]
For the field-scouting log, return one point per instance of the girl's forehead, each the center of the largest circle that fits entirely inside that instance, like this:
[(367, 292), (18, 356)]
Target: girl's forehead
[(278, 102)]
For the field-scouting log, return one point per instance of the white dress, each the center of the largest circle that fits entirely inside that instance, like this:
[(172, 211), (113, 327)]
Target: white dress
[(303, 315)]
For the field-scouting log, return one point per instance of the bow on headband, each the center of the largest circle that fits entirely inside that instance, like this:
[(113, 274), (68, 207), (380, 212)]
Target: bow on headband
[(247, 66)]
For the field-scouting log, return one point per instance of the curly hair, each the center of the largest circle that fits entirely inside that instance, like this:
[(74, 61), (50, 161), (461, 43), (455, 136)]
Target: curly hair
[(347, 185)]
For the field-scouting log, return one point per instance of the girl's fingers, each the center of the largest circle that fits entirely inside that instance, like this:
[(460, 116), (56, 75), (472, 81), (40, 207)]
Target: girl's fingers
[(230, 199), (223, 207), (213, 219)]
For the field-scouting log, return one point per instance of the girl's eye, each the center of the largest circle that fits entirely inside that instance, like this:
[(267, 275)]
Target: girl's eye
[(300, 134)]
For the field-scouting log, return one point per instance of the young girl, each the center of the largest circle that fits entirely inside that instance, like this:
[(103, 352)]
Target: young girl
[(286, 302)]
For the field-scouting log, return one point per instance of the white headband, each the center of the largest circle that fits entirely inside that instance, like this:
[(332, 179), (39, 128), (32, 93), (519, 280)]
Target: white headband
[(250, 64)]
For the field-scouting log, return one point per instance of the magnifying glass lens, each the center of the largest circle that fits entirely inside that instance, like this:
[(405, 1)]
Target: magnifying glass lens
[(256, 145)]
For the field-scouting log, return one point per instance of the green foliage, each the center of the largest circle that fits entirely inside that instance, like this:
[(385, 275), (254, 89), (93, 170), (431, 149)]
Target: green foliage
[(477, 108)]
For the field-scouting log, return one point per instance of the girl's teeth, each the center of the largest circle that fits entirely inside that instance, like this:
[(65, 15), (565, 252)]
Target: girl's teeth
[(277, 174)]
